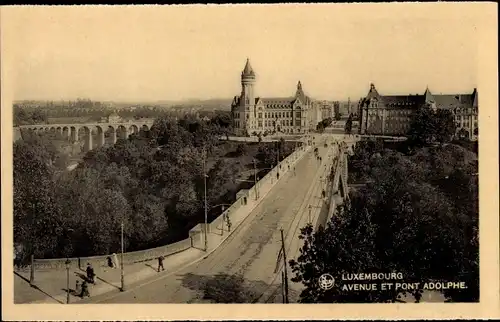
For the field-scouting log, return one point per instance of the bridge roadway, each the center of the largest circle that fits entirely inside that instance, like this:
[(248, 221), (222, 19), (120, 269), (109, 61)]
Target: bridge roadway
[(252, 248)]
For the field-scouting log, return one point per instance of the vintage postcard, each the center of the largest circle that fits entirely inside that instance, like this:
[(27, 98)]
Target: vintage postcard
[(272, 157)]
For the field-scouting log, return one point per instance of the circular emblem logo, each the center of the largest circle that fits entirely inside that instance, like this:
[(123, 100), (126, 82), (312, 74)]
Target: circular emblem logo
[(326, 282)]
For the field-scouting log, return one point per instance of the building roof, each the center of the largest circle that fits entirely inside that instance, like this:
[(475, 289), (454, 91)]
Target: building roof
[(442, 101), (248, 70)]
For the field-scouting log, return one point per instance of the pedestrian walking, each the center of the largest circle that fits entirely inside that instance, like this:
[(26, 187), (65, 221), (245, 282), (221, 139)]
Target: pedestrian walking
[(115, 260), (110, 261), (90, 274), (160, 263), (78, 288), (85, 290)]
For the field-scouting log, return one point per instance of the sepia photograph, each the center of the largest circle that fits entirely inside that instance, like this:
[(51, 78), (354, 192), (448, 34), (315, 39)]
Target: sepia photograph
[(246, 154)]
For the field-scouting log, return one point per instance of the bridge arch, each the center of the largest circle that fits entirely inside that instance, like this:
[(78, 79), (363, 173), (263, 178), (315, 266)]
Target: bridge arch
[(85, 133), (122, 132), (100, 136), (111, 133), (73, 134), (66, 133), (133, 129)]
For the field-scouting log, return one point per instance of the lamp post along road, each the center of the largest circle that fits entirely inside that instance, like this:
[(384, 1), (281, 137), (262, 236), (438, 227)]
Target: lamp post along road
[(205, 194), (255, 180), (121, 259), (67, 280), (223, 220)]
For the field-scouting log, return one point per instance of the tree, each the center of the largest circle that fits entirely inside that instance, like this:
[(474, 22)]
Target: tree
[(445, 125), (400, 223), (422, 126), (428, 126), (222, 121), (348, 125), (320, 127), (220, 179), (463, 134), (337, 114), (241, 149), (37, 221)]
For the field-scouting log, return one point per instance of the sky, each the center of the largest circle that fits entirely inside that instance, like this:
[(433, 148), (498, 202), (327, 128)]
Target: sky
[(198, 52)]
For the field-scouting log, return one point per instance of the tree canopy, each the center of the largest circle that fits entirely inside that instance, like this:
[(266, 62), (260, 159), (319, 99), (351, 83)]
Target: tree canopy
[(417, 215), (152, 181), (428, 126)]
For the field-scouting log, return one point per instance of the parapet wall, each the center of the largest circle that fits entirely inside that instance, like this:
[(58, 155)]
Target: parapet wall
[(128, 258)]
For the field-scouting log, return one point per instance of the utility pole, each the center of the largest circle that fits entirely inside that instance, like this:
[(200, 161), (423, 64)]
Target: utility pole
[(310, 208), (67, 280), (205, 192), (283, 286), (32, 270), (121, 266), (255, 180), (223, 220), (285, 270)]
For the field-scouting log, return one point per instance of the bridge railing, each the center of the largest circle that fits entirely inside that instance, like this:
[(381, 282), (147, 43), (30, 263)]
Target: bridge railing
[(268, 180)]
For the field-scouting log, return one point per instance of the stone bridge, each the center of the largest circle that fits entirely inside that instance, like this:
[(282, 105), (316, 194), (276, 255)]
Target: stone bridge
[(339, 187), (86, 131)]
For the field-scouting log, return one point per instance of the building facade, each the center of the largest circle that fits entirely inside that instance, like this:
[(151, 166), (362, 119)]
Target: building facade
[(390, 114), (252, 115)]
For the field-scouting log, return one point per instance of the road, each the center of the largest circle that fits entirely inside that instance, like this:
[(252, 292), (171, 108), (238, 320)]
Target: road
[(251, 251)]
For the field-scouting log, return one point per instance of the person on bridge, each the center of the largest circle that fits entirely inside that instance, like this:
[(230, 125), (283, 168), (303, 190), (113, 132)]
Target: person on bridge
[(78, 288), (90, 274), (115, 260), (85, 290), (160, 263)]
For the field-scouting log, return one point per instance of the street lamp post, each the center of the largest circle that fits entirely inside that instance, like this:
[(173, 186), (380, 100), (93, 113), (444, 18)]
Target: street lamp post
[(255, 180), (310, 208), (205, 195), (67, 280), (121, 259), (223, 220)]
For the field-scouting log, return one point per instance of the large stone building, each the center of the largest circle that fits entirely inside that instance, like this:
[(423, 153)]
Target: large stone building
[(390, 114), (289, 115)]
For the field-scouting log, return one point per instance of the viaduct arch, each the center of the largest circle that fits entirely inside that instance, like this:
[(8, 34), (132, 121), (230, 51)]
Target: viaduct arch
[(93, 134)]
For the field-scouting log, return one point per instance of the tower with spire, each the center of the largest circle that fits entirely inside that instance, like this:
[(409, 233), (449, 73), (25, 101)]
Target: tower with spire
[(253, 115), (247, 86)]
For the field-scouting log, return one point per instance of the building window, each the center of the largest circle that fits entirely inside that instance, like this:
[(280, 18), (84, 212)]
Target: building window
[(297, 115), (260, 123), (260, 115)]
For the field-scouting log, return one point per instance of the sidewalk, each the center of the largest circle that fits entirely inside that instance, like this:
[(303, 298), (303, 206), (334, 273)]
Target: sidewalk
[(50, 286)]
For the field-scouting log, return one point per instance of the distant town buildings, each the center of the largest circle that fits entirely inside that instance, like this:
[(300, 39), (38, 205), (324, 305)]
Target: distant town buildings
[(390, 114), (252, 114), (111, 118), (327, 108)]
